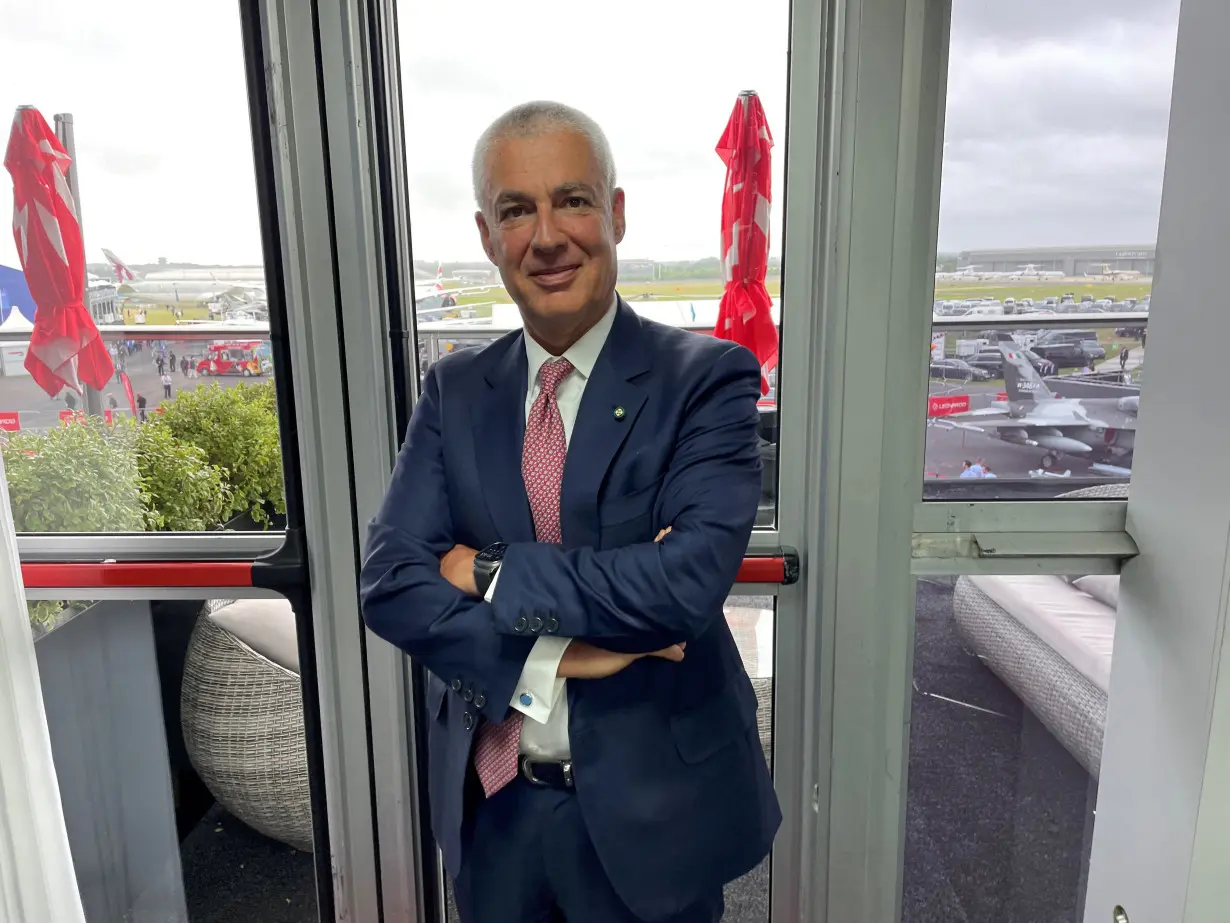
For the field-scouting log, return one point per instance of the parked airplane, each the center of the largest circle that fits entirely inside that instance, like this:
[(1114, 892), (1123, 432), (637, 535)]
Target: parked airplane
[(1101, 429), (185, 286), (1031, 271), (246, 284), (962, 272), (1108, 273)]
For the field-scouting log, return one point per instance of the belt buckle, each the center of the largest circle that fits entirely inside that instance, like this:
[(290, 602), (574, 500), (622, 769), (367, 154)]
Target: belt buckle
[(528, 773)]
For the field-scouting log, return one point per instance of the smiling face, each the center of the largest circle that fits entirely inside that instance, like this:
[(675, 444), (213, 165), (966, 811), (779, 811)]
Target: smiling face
[(552, 228)]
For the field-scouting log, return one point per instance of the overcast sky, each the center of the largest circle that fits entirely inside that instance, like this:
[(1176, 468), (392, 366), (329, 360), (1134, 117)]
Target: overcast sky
[(1056, 121)]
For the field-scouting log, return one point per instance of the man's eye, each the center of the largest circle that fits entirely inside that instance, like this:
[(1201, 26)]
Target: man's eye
[(575, 201), (512, 211)]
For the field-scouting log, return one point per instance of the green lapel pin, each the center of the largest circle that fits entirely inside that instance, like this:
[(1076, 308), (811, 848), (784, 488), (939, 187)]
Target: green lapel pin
[(620, 413)]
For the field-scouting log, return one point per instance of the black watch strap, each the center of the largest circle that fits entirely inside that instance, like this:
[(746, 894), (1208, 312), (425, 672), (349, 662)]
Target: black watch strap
[(487, 565)]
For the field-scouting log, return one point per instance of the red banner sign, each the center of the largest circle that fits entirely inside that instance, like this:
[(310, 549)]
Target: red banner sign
[(946, 404), (10, 421)]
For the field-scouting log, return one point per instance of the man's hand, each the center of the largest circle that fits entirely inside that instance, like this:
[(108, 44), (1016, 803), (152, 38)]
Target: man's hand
[(585, 661), (457, 567), (663, 534)]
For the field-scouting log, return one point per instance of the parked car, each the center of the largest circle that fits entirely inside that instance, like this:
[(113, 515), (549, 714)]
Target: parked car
[(991, 362), (1069, 349), (957, 370)]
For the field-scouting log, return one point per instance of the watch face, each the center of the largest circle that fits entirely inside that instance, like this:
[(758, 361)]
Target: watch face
[(492, 553)]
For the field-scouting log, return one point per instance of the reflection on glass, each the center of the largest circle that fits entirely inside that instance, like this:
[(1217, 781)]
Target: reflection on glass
[(1010, 688), (177, 733), (1054, 149), (185, 438), (1032, 410), (751, 620)]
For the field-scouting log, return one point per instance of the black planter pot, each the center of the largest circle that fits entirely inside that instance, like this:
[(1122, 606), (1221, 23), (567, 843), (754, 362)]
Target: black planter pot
[(245, 523)]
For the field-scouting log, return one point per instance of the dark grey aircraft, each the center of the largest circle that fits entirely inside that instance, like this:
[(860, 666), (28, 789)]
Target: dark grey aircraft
[(1099, 429)]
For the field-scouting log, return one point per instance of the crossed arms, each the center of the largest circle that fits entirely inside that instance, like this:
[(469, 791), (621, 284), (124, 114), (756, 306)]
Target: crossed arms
[(638, 599)]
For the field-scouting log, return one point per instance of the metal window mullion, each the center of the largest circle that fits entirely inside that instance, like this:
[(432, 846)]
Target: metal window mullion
[(135, 546), (1021, 516), (795, 862), (296, 77), (880, 201), (360, 64)]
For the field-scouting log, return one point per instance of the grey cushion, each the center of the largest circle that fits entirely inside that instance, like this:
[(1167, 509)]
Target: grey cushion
[(265, 625), (1102, 587)]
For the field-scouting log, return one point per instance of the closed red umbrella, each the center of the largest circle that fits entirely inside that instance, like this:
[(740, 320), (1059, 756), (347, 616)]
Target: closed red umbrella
[(65, 346), (745, 314)]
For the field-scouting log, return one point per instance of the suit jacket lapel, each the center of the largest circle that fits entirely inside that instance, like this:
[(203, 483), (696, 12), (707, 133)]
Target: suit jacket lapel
[(613, 399), (499, 430)]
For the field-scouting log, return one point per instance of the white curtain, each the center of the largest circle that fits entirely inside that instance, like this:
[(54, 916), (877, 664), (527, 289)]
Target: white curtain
[(37, 880)]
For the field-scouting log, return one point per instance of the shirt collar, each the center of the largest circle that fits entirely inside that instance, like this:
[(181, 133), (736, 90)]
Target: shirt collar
[(583, 354)]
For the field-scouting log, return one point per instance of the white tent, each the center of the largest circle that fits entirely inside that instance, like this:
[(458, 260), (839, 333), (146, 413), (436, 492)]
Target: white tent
[(13, 349)]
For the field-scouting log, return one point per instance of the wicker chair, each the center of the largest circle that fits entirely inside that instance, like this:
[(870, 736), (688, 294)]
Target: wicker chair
[(1067, 703), (242, 718), (764, 714)]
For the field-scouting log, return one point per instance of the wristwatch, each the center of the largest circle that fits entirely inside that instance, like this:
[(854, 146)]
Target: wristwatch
[(487, 564)]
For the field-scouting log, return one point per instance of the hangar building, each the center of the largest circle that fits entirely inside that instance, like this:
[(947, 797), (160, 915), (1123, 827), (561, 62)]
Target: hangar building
[(1071, 261)]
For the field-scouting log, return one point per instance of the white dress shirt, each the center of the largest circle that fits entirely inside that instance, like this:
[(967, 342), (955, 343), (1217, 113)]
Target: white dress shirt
[(544, 733)]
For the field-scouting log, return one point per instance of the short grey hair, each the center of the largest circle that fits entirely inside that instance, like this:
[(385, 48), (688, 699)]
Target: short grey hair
[(538, 117)]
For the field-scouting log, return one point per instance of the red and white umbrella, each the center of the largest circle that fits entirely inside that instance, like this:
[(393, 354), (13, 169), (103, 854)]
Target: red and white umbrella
[(65, 346), (745, 313)]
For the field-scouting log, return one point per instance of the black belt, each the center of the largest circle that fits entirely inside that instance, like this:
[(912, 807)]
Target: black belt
[(547, 773)]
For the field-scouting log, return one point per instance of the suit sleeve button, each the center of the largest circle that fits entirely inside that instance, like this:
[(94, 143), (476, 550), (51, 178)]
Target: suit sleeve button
[(552, 624), (468, 694), (480, 700), (468, 721), (456, 685), (520, 624), (535, 624)]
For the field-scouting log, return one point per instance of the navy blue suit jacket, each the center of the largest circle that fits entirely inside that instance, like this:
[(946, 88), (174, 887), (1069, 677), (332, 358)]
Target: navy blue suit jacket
[(667, 760)]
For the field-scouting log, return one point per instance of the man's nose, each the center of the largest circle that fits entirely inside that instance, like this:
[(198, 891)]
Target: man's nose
[(547, 233)]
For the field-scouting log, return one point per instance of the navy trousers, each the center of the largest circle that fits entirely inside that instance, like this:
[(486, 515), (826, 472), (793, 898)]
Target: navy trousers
[(530, 860)]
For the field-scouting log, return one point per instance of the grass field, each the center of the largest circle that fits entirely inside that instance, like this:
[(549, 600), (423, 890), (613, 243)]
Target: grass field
[(1038, 290), (706, 288), (165, 314)]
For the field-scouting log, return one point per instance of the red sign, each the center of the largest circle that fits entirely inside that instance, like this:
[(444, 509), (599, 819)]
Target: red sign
[(1001, 396), (10, 421), (66, 415), (947, 404), (108, 416)]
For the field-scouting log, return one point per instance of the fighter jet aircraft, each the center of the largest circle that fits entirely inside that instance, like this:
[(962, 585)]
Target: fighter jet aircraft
[(1101, 429)]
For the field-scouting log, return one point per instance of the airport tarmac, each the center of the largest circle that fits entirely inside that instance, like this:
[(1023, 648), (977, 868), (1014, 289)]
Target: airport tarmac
[(19, 393)]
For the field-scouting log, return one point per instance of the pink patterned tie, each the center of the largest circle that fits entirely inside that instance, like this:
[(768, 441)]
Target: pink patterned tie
[(542, 469)]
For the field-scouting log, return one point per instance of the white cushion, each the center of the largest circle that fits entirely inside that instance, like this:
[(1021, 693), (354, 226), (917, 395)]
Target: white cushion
[(1102, 587), (265, 625), (1079, 628)]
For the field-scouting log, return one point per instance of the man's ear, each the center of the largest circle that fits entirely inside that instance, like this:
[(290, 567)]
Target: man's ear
[(484, 232), (617, 212)]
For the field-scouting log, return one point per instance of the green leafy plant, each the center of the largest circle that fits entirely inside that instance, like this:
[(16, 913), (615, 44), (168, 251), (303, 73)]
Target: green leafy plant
[(237, 428), (77, 477), (182, 491)]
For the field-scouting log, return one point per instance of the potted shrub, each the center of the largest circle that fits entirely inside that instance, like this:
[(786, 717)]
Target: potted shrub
[(77, 477), (237, 428), (181, 490)]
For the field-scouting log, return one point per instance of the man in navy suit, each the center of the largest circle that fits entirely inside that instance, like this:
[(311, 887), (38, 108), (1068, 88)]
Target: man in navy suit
[(566, 517)]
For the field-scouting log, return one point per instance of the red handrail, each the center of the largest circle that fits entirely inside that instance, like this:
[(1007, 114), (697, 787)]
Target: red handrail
[(161, 574), (138, 574)]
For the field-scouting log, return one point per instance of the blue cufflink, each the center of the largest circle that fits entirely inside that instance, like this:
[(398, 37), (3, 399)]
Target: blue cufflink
[(526, 699)]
